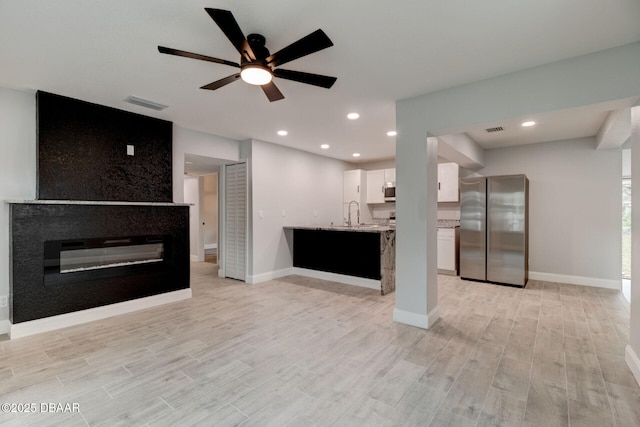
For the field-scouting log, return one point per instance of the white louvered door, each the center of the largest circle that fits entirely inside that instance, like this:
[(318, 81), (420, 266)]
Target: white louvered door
[(235, 246)]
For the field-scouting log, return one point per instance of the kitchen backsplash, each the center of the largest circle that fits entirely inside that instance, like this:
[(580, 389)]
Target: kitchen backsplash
[(449, 212), (382, 212)]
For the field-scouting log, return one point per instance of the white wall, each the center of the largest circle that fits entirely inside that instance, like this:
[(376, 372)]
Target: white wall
[(575, 208), (186, 141), (17, 170), (632, 353), (307, 187), (210, 209), (192, 195)]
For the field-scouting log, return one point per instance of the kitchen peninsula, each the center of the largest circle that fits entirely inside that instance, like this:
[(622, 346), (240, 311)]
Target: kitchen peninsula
[(363, 255)]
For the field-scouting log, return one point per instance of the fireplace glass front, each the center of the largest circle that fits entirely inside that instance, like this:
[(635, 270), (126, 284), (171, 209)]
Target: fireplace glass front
[(73, 257), (117, 256)]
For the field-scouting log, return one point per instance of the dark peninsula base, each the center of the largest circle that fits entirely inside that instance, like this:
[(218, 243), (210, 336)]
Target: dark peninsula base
[(365, 252), (353, 254)]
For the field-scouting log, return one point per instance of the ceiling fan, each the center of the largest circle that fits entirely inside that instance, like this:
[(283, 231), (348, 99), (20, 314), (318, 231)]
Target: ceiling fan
[(257, 65)]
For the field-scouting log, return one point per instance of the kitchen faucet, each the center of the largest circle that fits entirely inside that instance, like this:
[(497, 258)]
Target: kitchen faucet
[(358, 212)]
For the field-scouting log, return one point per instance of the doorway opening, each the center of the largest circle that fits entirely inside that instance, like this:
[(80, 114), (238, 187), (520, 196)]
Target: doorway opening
[(210, 217), (201, 189), (216, 189)]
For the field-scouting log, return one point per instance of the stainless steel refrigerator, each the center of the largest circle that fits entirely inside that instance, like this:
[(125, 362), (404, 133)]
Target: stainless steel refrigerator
[(494, 223)]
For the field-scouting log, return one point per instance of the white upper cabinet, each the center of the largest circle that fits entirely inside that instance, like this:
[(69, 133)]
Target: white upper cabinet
[(375, 186), (390, 177), (448, 189), (377, 180), (353, 185), (355, 189)]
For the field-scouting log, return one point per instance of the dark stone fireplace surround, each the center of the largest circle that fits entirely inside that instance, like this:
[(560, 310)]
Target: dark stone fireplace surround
[(35, 222), (89, 188)]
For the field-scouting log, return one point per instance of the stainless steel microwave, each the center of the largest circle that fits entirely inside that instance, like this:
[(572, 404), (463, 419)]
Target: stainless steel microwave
[(390, 194)]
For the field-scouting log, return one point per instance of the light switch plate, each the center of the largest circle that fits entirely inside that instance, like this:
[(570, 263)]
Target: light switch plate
[(130, 150)]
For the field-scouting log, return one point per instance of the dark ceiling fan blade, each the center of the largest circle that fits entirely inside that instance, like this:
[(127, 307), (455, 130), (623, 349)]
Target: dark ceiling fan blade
[(185, 54), (222, 82), (308, 78), (231, 29), (311, 43), (272, 92)]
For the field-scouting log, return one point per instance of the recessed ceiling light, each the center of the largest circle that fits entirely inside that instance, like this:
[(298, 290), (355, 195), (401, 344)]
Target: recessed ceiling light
[(324, 146), (283, 132), (353, 116), (392, 133), (356, 154), (528, 124)]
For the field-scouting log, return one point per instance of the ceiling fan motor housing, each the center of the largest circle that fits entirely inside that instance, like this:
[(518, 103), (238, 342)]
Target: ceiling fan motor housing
[(257, 43)]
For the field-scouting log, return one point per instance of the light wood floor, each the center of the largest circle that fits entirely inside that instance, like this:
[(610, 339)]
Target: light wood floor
[(299, 351), (211, 255)]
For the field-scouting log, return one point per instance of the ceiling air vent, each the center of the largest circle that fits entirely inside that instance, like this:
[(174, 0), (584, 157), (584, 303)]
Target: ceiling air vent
[(145, 103), (495, 129)]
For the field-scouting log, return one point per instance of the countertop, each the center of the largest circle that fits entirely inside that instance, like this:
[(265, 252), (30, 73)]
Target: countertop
[(363, 228), (379, 228), (448, 223), (92, 202)]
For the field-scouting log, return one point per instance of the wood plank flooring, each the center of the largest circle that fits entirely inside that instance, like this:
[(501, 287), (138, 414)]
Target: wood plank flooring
[(303, 352), (211, 256)]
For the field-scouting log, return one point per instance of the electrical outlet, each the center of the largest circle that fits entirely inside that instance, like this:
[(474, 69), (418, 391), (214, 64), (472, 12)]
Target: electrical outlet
[(3, 300)]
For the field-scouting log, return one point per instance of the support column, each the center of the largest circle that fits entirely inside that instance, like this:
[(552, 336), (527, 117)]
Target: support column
[(416, 231), (632, 353)]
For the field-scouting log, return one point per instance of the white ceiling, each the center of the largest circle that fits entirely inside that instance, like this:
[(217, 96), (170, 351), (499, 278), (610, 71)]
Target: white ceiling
[(104, 51), (579, 122)]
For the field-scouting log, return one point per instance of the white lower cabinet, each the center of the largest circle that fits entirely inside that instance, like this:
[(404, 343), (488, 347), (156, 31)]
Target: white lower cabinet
[(448, 250)]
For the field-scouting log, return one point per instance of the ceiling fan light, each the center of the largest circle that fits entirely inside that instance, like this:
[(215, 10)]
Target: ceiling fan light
[(256, 74)]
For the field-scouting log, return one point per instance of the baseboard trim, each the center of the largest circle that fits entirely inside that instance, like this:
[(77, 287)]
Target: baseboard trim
[(271, 275), (576, 280), (211, 246), (633, 362), (194, 258), (5, 327), (416, 319), (340, 278), (448, 272), (47, 324)]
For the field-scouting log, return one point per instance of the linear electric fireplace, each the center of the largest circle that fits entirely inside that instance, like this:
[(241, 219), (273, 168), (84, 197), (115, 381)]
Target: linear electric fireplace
[(80, 260)]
